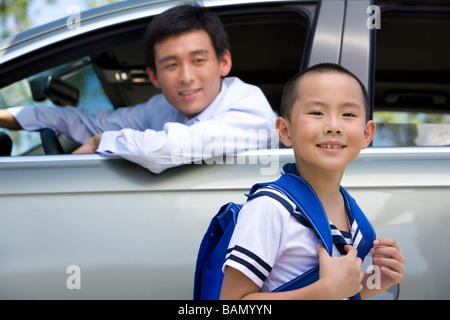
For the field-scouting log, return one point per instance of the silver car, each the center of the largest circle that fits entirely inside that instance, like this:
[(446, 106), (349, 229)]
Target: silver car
[(95, 227)]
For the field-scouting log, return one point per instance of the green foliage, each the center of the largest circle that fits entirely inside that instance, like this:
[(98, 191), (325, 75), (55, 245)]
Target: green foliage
[(17, 10), (15, 16)]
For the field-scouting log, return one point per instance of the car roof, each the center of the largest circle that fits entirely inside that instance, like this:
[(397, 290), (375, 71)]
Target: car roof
[(95, 19)]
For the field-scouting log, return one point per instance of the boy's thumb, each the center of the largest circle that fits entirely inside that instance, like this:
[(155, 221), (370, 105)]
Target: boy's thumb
[(322, 251)]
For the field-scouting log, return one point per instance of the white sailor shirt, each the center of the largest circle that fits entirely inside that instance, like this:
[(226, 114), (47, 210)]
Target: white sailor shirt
[(271, 247)]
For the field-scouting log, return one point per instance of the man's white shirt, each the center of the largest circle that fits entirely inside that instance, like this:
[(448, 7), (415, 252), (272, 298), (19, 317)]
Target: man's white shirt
[(157, 136)]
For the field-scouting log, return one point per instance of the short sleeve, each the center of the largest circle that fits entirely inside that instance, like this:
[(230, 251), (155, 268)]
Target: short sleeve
[(254, 246)]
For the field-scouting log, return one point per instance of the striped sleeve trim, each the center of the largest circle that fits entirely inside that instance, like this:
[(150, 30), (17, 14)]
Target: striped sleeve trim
[(249, 261)]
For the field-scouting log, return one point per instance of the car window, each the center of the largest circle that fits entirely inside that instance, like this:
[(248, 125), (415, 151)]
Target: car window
[(18, 94), (268, 47), (412, 78), (79, 74)]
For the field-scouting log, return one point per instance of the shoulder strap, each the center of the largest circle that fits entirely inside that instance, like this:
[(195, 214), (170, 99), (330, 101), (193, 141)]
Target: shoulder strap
[(306, 200), (367, 230)]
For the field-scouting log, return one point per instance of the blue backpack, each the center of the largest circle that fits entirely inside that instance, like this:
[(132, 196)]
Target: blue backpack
[(211, 256)]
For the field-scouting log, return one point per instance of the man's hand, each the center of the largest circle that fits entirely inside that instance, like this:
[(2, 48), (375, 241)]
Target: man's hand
[(90, 146)]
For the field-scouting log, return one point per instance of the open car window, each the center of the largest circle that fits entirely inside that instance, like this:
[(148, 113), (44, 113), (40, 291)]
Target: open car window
[(412, 77), (106, 69), (74, 84)]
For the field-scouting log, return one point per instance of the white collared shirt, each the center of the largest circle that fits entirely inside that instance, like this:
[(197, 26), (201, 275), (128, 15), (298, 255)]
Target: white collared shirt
[(157, 136)]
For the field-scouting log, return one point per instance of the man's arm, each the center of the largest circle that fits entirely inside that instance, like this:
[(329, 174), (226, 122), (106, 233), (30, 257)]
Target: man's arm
[(74, 123), (177, 144), (8, 121)]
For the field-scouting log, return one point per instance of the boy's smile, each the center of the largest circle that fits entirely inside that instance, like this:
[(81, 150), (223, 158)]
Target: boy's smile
[(188, 71), (327, 128), (331, 146)]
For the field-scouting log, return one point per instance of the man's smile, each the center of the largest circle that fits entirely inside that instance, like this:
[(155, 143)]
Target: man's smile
[(189, 93)]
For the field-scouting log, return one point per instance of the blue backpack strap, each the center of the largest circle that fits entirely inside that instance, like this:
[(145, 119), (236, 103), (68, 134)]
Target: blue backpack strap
[(261, 190), (306, 200), (364, 225), (304, 197)]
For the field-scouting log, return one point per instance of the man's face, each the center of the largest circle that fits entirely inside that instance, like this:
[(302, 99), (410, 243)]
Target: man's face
[(188, 71)]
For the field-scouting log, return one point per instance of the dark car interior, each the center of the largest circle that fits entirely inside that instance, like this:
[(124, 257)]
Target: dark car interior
[(412, 59), (412, 70), (267, 49)]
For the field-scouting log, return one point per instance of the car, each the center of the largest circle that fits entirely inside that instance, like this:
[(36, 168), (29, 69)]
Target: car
[(100, 227)]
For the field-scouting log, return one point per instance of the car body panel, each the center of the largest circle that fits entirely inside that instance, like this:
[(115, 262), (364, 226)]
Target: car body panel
[(127, 229)]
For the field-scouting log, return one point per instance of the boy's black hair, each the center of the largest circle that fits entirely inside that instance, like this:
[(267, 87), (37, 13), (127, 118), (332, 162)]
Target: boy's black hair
[(181, 19), (290, 92)]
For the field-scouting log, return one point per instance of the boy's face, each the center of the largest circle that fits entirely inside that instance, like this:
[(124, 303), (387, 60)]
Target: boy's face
[(188, 72), (327, 128)]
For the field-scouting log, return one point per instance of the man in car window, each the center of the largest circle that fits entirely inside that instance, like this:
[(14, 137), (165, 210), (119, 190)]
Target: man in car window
[(200, 114)]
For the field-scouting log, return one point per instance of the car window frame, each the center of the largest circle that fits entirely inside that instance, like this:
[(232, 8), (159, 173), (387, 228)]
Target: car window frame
[(92, 42)]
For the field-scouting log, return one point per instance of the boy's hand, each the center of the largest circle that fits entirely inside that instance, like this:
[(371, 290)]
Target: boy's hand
[(388, 256), (341, 276)]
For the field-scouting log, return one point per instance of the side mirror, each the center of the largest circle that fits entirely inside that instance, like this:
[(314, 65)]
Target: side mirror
[(57, 90), (5, 144)]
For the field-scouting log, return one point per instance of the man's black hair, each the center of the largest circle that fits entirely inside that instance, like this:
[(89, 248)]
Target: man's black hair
[(182, 19)]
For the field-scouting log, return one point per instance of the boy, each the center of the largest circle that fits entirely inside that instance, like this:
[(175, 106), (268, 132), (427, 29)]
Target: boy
[(325, 118), (187, 53)]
